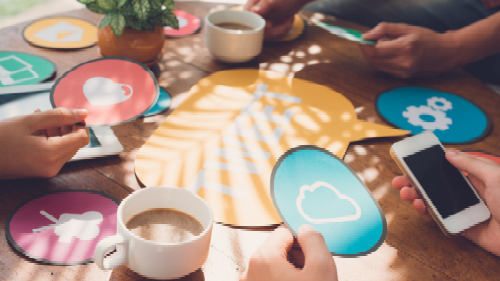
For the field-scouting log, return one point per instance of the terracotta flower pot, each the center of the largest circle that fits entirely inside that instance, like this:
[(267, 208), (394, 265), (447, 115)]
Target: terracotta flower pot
[(140, 45)]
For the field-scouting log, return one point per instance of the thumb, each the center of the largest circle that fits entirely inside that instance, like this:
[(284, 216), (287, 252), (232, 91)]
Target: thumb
[(385, 29), (279, 242), (476, 167), (261, 7), (57, 118), (313, 246)]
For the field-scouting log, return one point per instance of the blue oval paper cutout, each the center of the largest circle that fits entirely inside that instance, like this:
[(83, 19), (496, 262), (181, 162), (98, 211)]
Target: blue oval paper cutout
[(310, 185), (453, 119), (162, 104)]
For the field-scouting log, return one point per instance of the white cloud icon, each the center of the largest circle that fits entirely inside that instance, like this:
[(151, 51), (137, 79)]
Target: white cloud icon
[(313, 187)]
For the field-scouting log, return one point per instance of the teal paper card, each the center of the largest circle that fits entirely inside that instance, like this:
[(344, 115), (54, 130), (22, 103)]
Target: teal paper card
[(310, 185)]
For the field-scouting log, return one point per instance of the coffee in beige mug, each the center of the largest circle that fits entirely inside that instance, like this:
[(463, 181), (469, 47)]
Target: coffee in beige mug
[(162, 233)]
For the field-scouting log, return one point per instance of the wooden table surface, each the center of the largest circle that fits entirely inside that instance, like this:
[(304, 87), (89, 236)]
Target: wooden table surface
[(414, 249)]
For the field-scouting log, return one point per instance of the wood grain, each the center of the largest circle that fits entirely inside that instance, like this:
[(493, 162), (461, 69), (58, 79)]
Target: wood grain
[(415, 248)]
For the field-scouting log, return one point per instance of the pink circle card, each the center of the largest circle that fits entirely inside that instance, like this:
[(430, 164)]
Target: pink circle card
[(113, 90), (63, 227), (188, 24)]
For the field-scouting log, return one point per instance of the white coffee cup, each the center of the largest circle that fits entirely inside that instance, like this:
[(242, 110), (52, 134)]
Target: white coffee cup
[(234, 46), (152, 259), (104, 91)]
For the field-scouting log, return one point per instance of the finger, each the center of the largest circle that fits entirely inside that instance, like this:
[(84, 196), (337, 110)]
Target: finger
[(408, 194), (419, 205), (278, 30), (261, 7), (389, 49), (39, 132), (53, 132), (296, 257), (477, 168), (57, 118), (249, 4), (400, 182), (66, 130), (313, 246), (68, 145), (278, 243), (389, 30)]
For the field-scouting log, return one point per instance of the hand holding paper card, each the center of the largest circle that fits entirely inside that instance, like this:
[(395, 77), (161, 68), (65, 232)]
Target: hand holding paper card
[(310, 185)]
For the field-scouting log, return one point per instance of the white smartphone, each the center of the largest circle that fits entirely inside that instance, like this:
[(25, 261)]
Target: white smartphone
[(448, 195)]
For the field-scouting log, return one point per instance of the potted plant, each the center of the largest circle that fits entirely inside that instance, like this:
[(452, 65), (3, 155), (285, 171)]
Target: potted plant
[(133, 28)]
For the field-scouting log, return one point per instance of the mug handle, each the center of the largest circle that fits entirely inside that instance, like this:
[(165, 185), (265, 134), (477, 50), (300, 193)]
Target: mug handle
[(130, 88), (105, 246)]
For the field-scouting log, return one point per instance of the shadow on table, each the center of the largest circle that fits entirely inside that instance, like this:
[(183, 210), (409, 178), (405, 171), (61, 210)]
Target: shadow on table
[(123, 273)]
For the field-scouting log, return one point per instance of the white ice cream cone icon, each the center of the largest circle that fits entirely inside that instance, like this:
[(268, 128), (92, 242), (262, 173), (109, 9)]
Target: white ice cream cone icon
[(83, 226)]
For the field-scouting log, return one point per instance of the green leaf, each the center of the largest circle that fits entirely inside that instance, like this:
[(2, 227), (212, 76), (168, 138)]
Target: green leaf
[(135, 24), (117, 24), (156, 6), (96, 9), (169, 19), (107, 5), (141, 8), (128, 10), (169, 4), (85, 1), (120, 3), (106, 20)]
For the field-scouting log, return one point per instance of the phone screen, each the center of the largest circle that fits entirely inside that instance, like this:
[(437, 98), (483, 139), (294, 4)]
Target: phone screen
[(442, 182)]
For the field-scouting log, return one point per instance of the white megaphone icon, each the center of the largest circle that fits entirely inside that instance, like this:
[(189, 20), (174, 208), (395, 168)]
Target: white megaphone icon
[(103, 91)]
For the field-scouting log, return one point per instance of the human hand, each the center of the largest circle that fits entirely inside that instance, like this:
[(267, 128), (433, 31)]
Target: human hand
[(406, 51), (311, 262), (279, 14), (484, 174), (38, 145)]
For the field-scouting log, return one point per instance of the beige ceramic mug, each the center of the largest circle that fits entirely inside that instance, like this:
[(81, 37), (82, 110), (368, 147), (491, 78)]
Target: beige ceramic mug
[(152, 259), (234, 46)]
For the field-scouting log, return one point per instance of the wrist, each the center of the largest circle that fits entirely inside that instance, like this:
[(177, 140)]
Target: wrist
[(454, 49)]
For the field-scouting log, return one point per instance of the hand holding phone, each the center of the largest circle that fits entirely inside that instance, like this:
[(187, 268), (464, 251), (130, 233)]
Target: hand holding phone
[(447, 194), (484, 174)]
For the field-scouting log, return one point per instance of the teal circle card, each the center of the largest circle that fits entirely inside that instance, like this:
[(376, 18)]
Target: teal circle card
[(23, 69), (163, 103), (310, 185), (453, 119)]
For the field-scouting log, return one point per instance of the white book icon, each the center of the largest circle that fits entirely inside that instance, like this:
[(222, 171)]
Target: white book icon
[(24, 71)]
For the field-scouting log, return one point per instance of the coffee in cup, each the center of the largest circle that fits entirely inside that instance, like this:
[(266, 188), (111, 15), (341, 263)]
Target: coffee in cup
[(234, 36), (165, 225), (234, 26), (166, 257)]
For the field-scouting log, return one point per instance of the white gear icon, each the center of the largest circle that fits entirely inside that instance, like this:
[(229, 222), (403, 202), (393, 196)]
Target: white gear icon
[(432, 102), (413, 114)]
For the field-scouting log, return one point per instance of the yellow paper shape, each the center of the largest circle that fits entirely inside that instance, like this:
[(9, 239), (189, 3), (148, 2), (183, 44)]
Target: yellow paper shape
[(296, 30), (224, 139), (61, 33)]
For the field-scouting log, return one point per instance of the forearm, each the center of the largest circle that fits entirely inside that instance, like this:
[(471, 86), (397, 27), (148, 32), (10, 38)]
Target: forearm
[(476, 41)]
